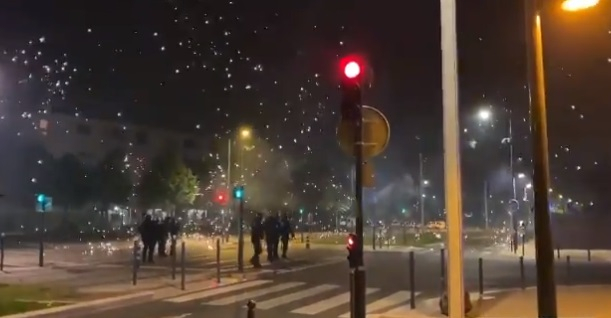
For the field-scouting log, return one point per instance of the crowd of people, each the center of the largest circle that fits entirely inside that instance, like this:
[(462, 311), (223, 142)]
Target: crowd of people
[(275, 230), (155, 233)]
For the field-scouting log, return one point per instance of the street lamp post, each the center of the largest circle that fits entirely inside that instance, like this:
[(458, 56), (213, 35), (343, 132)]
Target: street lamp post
[(245, 133), (546, 285), (453, 192)]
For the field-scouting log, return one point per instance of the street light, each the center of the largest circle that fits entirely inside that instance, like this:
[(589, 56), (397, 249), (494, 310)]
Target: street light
[(484, 114), (577, 5), (245, 133), (546, 285)]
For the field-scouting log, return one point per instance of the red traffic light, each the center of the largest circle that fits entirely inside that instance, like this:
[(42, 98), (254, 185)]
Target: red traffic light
[(220, 197), (352, 69), (351, 241)]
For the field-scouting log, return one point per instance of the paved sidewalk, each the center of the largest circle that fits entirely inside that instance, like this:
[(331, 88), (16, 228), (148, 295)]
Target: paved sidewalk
[(576, 255), (575, 301)]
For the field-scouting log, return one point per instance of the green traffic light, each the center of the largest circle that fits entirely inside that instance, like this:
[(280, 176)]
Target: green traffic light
[(41, 198), (238, 192)]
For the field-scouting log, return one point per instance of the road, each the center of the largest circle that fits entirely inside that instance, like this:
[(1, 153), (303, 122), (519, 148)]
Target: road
[(323, 291)]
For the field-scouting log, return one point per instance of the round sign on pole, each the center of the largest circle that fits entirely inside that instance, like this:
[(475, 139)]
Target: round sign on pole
[(514, 206), (376, 133)]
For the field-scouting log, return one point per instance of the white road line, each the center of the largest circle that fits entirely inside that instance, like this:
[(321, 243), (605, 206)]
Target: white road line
[(253, 294), (386, 302), (402, 310), (285, 299), (216, 291), (328, 303)]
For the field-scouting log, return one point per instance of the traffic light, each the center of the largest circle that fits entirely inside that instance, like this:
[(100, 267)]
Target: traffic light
[(301, 211), (41, 198), (351, 89), (353, 254), (238, 192)]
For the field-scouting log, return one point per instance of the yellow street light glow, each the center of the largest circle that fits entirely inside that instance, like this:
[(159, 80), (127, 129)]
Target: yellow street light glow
[(577, 5), (245, 133)]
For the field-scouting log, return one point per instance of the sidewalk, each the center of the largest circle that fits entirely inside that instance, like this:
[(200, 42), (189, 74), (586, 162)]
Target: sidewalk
[(575, 301), (576, 255)]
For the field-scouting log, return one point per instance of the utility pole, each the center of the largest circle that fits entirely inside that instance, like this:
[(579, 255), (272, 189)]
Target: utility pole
[(486, 223), (421, 167), (453, 192), (546, 284)]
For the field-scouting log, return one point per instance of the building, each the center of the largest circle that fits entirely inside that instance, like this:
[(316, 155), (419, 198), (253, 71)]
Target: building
[(91, 139)]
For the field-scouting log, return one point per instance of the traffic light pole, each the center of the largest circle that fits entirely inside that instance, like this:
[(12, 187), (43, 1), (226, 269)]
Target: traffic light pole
[(41, 237), (241, 236), (359, 271)]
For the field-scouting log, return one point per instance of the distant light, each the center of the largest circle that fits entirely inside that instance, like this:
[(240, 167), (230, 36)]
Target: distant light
[(352, 69), (484, 114), (529, 186), (521, 176), (577, 5)]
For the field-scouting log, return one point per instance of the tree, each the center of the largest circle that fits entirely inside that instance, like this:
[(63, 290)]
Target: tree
[(169, 182), (113, 183), (72, 183)]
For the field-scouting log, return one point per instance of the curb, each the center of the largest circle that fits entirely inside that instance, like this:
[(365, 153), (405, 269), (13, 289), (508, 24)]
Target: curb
[(88, 307)]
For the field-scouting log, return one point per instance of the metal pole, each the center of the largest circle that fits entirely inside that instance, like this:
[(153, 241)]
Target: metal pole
[(486, 222), (359, 271), (173, 256), (136, 262), (546, 285), (183, 254), (229, 187), (522, 278), (241, 236), (442, 256), (218, 261), (41, 237), (453, 192), (412, 280), (480, 271), (2, 252), (568, 269), (421, 168), (251, 305), (511, 168)]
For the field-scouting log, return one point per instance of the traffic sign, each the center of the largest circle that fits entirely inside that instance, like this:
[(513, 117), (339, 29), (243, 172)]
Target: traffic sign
[(376, 133), (514, 206)]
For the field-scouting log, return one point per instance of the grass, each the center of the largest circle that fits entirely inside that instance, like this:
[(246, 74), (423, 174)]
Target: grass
[(16, 299), (473, 239)]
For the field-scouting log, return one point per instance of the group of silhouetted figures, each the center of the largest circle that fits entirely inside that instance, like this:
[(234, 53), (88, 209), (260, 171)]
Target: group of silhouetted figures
[(274, 230), (156, 232)]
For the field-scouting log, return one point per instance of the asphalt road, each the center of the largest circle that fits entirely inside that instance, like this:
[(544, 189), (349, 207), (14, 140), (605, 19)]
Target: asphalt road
[(322, 291)]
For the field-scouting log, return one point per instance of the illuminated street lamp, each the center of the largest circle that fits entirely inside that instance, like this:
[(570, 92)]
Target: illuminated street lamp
[(484, 114), (245, 133), (546, 285)]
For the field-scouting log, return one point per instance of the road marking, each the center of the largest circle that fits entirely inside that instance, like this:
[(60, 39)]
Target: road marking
[(179, 316), (285, 299), (402, 310), (386, 302), (217, 291), (328, 303), (253, 294)]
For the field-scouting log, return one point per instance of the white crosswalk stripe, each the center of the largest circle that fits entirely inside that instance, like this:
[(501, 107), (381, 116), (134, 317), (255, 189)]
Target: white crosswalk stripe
[(301, 298)]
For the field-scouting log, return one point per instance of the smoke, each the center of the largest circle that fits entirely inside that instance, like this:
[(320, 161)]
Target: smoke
[(396, 196), (266, 174)]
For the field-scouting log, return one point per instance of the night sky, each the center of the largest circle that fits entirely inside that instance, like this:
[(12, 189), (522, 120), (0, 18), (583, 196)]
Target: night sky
[(209, 66)]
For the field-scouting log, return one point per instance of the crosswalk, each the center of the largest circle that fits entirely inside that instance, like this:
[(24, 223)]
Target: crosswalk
[(300, 298)]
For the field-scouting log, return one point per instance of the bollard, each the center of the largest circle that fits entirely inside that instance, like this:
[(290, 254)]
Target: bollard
[(480, 270), (351, 289), (218, 261), (523, 243), (251, 305), (173, 256), (412, 280), (589, 255), (522, 279), (373, 238), (2, 252), (568, 270), (558, 252), (182, 264), (136, 262), (307, 242), (301, 236), (443, 269)]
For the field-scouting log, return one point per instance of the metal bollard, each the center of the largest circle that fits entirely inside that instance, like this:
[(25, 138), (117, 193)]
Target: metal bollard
[(443, 269), (182, 264), (373, 238), (251, 305), (307, 242), (480, 270), (589, 255), (380, 239), (412, 280), (136, 262), (218, 261), (523, 243), (558, 252), (568, 270), (522, 278), (2, 252), (301, 236), (173, 257)]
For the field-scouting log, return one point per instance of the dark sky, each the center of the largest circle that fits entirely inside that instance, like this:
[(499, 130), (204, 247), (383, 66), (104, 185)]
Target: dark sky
[(212, 65)]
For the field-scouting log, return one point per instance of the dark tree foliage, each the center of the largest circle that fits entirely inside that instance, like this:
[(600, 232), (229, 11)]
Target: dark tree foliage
[(113, 184)]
